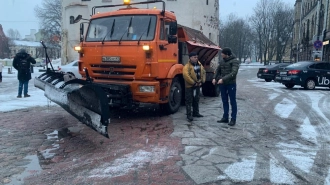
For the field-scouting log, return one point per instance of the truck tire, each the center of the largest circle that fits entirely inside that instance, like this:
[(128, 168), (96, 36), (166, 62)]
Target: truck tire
[(208, 89), (216, 90), (205, 90), (174, 98)]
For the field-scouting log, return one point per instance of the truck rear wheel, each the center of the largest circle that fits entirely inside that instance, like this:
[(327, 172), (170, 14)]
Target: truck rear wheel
[(208, 89), (174, 98)]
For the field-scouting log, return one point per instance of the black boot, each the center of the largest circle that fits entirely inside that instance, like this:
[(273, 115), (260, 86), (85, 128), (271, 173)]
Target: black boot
[(223, 120), (232, 122), (198, 115)]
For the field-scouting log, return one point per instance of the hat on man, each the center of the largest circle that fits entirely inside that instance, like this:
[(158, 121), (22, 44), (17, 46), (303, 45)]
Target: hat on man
[(226, 51), (22, 51), (192, 54)]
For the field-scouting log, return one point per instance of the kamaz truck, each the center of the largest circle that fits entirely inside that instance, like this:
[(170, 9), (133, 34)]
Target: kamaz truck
[(126, 57)]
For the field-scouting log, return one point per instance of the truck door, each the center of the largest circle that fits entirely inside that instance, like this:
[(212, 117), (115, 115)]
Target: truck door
[(168, 53)]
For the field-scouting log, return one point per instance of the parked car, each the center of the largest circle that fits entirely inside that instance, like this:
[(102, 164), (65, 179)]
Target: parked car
[(38, 64), (269, 72), (71, 68), (307, 74)]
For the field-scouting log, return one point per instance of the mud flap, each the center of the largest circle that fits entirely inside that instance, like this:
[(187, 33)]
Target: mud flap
[(87, 102)]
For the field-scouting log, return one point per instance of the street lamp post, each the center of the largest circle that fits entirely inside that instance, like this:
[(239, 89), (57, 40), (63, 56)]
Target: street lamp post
[(299, 36)]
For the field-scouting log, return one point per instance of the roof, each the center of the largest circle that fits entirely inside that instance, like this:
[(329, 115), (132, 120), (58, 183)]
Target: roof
[(26, 43)]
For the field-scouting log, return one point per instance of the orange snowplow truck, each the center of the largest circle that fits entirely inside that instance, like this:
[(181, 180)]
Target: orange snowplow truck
[(128, 56)]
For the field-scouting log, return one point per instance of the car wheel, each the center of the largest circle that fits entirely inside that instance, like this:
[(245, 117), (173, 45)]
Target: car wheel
[(268, 80), (310, 84), (289, 86), (70, 73)]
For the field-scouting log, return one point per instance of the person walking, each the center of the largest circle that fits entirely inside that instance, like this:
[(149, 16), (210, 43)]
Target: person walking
[(22, 63), (225, 75), (1, 66), (194, 76)]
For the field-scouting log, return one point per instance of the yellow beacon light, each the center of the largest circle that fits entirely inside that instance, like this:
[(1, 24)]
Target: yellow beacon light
[(127, 1)]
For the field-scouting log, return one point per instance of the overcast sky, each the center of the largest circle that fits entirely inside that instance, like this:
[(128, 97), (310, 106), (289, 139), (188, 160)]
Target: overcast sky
[(19, 14), (242, 8)]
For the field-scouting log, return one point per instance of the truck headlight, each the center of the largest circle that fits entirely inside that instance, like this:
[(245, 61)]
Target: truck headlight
[(147, 88)]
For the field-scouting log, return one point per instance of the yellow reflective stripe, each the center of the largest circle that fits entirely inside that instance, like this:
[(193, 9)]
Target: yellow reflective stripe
[(166, 60)]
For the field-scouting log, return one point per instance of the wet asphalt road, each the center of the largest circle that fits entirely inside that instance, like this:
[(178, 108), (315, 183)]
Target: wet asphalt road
[(46, 145)]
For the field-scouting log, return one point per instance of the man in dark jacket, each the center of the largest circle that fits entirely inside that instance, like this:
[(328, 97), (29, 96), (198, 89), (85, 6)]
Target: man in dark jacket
[(194, 76), (22, 63), (225, 75)]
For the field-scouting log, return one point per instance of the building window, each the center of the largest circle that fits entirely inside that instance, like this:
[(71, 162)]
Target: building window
[(85, 0), (207, 2), (106, 1), (210, 36)]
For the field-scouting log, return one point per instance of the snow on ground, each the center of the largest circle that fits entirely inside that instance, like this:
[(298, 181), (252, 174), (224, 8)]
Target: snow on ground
[(304, 158), (9, 92)]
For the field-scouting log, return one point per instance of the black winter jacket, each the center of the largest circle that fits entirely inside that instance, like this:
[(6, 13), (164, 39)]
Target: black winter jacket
[(24, 74), (227, 70)]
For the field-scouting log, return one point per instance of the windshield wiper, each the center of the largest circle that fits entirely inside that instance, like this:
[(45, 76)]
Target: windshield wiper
[(129, 25), (147, 30), (112, 28)]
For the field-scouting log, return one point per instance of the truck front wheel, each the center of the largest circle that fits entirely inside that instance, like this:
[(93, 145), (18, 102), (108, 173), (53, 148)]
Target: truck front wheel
[(174, 97)]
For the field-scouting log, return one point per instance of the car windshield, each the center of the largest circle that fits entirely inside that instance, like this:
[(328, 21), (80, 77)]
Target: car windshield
[(122, 28)]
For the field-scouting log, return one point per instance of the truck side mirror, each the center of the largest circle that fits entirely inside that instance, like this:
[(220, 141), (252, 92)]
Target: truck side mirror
[(81, 32), (173, 28), (172, 39)]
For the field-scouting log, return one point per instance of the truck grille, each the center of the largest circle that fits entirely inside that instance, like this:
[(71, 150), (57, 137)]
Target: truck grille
[(110, 71)]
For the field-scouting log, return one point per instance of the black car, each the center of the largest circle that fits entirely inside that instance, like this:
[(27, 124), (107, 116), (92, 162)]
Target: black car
[(269, 72), (307, 74)]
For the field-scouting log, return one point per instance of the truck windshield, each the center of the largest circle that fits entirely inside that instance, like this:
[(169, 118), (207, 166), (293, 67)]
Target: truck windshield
[(125, 28)]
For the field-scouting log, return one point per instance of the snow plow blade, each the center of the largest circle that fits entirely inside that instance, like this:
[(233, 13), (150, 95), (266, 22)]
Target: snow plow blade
[(83, 99)]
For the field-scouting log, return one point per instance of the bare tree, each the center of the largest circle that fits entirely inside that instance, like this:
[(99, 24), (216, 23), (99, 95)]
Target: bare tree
[(13, 34), (49, 15), (236, 34), (273, 22), (283, 20)]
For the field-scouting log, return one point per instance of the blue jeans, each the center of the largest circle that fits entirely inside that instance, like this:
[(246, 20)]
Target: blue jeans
[(228, 90), (20, 87)]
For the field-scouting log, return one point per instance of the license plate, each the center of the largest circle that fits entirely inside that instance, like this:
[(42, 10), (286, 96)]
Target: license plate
[(286, 78), (283, 73), (259, 74), (111, 59), (278, 78)]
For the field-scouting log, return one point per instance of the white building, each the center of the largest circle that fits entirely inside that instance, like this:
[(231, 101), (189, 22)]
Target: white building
[(200, 15), (31, 47), (31, 36)]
